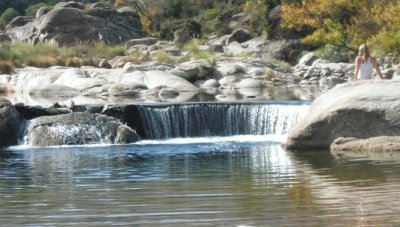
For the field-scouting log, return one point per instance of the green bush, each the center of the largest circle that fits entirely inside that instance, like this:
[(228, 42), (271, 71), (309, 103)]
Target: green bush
[(31, 10), (8, 16), (331, 53), (163, 57), (168, 27), (44, 55)]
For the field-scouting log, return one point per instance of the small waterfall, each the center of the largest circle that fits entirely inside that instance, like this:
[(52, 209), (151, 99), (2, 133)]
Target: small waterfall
[(214, 119)]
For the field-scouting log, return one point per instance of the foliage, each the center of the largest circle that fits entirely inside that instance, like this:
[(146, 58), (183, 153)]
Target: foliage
[(168, 27), (346, 23), (31, 10), (44, 55), (163, 57), (8, 15), (333, 53)]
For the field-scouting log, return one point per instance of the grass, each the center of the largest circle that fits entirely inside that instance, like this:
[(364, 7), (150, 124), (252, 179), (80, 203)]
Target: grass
[(163, 57), (45, 55)]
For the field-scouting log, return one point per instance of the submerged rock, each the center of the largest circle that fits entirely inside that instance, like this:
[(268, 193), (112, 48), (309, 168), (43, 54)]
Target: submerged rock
[(78, 129), (10, 124), (359, 109), (376, 144)]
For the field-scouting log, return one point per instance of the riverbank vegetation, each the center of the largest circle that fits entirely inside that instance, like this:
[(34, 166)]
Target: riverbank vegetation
[(329, 26), (45, 55)]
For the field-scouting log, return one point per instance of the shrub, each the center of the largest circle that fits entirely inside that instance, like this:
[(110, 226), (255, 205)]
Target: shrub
[(8, 16), (102, 50), (333, 53), (31, 10), (6, 67), (168, 27), (163, 57)]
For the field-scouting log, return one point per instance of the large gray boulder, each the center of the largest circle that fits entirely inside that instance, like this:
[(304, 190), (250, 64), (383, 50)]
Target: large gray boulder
[(156, 79), (78, 129), (10, 124), (68, 26), (360, 109)]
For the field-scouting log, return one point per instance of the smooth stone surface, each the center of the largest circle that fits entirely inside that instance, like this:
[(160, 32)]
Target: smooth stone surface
[(375, 144)]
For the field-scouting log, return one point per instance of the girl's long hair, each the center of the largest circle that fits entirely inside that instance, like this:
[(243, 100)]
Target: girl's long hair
[(363, 52)]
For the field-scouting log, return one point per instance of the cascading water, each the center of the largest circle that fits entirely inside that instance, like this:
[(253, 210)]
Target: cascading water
[(214, 119)]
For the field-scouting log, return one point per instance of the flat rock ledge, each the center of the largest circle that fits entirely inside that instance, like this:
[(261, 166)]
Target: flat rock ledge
[(382, 148)]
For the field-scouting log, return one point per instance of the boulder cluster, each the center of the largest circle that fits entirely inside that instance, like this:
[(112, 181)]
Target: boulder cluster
[(68, 23)]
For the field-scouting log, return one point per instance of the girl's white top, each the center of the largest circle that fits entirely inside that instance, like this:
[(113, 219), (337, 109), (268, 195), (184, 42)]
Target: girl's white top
[(366, 70)]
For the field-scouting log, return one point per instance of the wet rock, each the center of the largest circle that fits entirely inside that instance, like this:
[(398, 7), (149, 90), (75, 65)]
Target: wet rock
[(78, 129), (375, 144), (10, 124)]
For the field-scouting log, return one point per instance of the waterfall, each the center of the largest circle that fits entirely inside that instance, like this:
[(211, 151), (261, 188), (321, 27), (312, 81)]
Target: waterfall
[(219, 119)]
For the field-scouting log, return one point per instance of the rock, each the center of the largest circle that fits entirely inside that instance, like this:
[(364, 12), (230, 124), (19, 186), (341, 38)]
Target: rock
[(19, 21), (216, 48), (238, 35), (168, 92), (181, 74), (68, 26), (227, 69), (211, 83), (134, 79), (78, 129), (375, 144), (155, 79), (122, 90), (287, 50), (79, 80), (105, 64), (4, 38), (71, 4), (250, 83), (181, 36), (359, 109), (42, 11), (10, 124), (228, 81), (196, 69), (174, 51), (307, 59), (148, 41), (388, 73), (51, 111)]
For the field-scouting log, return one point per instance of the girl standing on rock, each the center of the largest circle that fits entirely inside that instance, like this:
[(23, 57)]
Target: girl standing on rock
[(365, 65)]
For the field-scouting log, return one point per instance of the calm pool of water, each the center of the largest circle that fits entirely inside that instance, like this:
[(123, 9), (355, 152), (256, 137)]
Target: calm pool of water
[(202, 182)]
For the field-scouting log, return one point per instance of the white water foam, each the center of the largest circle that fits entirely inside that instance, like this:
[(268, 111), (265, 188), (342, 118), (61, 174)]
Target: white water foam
[(217, 139)]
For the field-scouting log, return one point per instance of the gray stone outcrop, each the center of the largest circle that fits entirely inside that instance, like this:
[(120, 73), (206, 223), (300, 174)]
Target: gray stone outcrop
[(360, 109), (65, 25)]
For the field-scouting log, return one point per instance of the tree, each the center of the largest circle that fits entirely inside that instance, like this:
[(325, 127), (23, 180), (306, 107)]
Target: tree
[(346, 23)]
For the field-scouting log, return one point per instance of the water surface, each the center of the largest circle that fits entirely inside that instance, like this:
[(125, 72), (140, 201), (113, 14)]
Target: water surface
[(229, 181)]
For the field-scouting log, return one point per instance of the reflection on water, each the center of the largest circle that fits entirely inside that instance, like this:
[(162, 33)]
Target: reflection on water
[(226, 183), (276, 92)]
